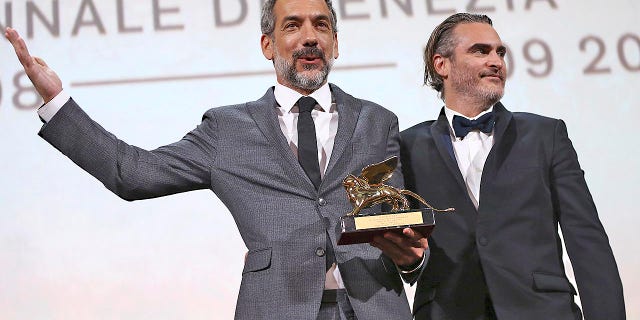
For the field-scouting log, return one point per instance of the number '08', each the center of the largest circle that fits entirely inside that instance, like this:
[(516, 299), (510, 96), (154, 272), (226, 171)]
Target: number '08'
[(25, 97)]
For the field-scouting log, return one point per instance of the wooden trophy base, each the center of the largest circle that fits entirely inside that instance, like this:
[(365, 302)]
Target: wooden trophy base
[(362, 228)]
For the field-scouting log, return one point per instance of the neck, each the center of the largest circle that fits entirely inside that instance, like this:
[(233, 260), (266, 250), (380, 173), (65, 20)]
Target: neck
[(467, 107), (302, 91)]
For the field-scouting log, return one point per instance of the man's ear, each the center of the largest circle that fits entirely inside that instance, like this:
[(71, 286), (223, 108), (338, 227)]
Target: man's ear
[(442, 65), (266, 43), (336, 53)]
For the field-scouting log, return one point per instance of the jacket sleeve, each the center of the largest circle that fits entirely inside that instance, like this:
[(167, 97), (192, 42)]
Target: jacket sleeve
[(393, 149), (587, 244), (128, 171)]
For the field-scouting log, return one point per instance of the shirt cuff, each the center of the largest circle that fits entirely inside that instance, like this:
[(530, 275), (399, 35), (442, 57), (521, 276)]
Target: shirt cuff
[(49, 109)]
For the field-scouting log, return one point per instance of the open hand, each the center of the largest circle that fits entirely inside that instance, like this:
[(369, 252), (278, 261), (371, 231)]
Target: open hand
[(43, 78)]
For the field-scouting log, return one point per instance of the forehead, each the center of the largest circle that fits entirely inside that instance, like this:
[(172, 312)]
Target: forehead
[(299, 8), (468, 34)]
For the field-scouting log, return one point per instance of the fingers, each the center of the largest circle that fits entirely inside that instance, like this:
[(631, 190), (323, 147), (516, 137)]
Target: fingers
[(45, 80), (401, 256), (40, 62), (404, 249), (413, 235), (20, 47)]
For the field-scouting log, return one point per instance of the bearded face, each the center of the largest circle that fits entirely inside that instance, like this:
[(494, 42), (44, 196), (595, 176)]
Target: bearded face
[(475, 72), (312, 76), (303, 44), (481, 83)]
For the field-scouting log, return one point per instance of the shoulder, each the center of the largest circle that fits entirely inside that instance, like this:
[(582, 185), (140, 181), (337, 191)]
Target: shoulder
[(379, 111), (367, 106), (422, 128), (225, 110), (533, 118), (535, 122), (522, 119), (240, 109)]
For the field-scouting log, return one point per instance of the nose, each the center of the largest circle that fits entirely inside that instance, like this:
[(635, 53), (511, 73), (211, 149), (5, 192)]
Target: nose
[(309, 35), (495, 60)]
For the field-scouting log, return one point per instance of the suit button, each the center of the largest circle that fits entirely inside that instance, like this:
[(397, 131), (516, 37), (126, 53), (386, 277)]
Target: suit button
[(319, 252), (322, 202), (483, 241)]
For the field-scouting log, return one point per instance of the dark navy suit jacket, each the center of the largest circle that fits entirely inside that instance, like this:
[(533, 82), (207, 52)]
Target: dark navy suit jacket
[(508, 249)]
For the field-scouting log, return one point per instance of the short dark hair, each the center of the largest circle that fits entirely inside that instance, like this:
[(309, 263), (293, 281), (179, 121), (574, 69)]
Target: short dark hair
[(268, 19), (443, 43)]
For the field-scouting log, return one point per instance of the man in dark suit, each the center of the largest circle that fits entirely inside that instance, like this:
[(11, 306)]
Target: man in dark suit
[(513, 178), (280, 177)]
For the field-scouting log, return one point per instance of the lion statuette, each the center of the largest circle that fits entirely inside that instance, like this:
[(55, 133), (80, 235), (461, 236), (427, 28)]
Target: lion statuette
[(369, 189)]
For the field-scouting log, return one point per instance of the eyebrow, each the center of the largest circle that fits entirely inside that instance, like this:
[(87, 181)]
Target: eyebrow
[(298, 18), (486, 47)]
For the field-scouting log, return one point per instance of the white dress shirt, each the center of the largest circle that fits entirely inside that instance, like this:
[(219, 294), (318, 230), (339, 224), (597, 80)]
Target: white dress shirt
[(324, 115), (471, 153), (325, 119), (47, 111)]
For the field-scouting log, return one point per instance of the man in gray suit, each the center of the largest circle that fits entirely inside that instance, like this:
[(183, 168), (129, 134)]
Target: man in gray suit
[(285, 196)]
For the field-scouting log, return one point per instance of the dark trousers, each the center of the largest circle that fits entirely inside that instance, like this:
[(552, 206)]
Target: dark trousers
[(428, 312)]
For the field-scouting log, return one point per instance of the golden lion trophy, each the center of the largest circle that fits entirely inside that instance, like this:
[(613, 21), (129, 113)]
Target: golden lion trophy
[(368, 190)]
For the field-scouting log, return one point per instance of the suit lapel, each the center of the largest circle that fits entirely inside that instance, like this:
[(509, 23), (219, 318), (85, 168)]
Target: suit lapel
[(442, 139), (264, 114), (348, 112), (503, 140)]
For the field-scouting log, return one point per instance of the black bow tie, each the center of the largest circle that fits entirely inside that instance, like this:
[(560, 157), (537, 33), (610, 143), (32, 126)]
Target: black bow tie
[(462, 125)]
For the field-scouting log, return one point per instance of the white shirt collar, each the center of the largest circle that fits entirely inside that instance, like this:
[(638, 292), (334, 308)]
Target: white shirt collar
[(450, 113), (287, 97)]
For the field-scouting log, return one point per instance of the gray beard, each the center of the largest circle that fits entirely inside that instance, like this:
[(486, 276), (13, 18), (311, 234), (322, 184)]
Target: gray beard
[(298, 80), (469, 84)]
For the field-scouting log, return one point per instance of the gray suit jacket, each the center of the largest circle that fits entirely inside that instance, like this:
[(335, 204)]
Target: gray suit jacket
[(240, 153)]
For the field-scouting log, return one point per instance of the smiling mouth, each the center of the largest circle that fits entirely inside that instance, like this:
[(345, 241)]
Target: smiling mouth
[(309, 63), (493, 76), (310, 58), (309, 55)]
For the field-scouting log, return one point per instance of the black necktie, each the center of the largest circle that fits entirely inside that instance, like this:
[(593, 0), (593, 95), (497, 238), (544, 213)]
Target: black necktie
[(462, 125), (307, 143)]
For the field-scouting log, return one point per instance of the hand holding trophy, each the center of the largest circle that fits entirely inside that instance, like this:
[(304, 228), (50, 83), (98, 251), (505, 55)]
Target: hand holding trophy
[(368, 190)]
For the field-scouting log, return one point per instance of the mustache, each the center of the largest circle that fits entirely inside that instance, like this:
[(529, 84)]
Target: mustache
[(314, 52), (498, 73)]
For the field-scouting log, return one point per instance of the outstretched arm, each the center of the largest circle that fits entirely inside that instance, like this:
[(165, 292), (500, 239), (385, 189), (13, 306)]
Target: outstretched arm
[(45, 80), (130, 172)]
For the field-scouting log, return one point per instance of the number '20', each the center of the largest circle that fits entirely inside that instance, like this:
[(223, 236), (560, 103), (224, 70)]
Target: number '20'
[(596, 65)]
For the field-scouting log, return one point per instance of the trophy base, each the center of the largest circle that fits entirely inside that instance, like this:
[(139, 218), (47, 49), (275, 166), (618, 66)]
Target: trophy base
[(362, 228)]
